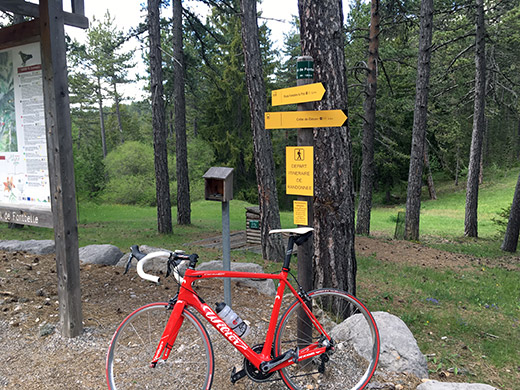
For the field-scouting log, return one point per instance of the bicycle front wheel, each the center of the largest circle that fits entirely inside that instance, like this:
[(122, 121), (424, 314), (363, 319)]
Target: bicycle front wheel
[(352, 359), (189, 366)]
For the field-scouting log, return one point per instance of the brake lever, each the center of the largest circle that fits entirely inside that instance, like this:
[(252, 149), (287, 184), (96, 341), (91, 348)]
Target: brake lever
[(174, 261), (128, 263), (169, 266)]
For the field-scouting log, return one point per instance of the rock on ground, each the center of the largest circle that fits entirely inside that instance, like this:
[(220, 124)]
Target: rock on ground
[(435, 385), (37, 247), (399, 350), (100, 254)]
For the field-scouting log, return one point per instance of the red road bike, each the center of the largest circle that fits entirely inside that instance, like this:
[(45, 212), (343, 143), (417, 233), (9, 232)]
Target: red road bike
[(325, 339)]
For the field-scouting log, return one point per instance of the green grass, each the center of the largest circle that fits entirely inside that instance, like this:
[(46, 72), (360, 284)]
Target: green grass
[(467, 320), (124, 226), (442, 220)]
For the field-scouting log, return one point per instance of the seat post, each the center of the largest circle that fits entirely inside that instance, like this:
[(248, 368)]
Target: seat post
[(289, 252)]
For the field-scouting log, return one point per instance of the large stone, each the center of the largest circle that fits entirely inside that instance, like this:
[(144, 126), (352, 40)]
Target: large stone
[(37, 247), (100, 254), (263, 286), (399, 350), (435, 385)]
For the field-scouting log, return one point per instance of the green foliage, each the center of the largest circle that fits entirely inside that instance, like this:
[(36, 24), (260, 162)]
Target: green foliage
[(502, 218), (131, 175), (395, 94), (218, 108), (89, 169), (200, 159)]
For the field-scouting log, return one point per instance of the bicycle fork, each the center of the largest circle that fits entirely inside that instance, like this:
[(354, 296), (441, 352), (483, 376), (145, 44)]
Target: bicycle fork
[(170, 334)]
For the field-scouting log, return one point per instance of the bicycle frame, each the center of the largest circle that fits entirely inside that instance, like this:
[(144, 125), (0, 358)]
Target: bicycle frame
[(188, 298)]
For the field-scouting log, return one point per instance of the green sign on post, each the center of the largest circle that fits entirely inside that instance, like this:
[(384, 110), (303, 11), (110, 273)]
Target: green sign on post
[(304, 68)]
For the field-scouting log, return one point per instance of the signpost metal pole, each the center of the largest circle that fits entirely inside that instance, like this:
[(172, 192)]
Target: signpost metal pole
[(218, 186), (226, 251)]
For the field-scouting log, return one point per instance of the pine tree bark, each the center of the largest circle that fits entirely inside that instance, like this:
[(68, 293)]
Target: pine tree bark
[(117, 102), (471, 221), (429, 176), (367, 165), (322, 38), (413, 197), (162, 184), (272, 245), (513, 224), (183, 181), (101, 117)]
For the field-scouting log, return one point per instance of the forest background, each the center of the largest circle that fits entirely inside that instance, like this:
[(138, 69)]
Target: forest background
[(113, 134), (217, 107)]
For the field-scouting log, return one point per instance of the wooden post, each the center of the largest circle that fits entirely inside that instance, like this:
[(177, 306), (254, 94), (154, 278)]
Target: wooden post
[(305, 137), (305, 75), (61, 171)]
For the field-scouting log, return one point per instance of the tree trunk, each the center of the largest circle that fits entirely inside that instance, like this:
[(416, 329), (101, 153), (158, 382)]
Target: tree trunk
[(101, 117), (457, 166), (272, 246), (470, 221), (367, 165), (518, 140), (482, 152), (513, 224), (162, 184), (118, 114), (183, 181), (431, 185), (413, 197), (322, 38)]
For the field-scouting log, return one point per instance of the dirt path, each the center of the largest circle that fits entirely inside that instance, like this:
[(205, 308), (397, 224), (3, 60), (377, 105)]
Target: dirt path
[(406, 252)]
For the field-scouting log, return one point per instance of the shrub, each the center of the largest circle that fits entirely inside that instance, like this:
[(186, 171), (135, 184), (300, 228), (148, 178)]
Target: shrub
[(502, 218), (131, 175)]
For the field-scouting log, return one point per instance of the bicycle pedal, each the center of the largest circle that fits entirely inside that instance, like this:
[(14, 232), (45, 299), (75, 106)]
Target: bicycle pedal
[(236, 376)]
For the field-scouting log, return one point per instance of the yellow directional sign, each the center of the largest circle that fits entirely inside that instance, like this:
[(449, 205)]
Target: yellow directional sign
[(299, 162), (301, 94), (304, 119)]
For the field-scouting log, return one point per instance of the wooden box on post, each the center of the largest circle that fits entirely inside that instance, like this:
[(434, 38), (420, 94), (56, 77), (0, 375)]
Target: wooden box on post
[(218, 184)]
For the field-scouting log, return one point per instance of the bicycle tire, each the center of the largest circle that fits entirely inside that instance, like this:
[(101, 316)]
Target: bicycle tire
[(134, 344), (351, 363)]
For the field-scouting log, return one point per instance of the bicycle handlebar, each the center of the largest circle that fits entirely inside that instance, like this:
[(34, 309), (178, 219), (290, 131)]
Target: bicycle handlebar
[(142, 262), (174, 260)]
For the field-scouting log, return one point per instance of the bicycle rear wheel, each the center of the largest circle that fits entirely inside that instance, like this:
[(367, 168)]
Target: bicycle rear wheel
[(351, 361), (189, 366)]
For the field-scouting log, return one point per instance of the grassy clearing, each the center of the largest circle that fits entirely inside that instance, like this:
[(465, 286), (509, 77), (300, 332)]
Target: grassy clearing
[(466, 320), (124, 226)]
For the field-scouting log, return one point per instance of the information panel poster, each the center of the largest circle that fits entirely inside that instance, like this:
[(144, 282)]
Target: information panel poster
[(24, 175)]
